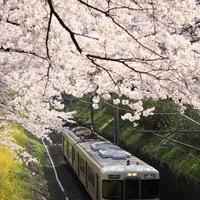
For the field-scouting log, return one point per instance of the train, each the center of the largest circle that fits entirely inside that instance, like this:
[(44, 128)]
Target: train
[(107, 171)]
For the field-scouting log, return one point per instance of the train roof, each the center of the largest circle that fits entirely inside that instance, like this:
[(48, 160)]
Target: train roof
[(108, 156)]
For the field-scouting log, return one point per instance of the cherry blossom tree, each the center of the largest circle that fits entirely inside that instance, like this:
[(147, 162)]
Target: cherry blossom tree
[(139, 50)]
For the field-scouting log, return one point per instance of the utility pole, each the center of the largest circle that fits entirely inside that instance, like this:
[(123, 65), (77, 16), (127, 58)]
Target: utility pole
[(91, 113), (116, 125)]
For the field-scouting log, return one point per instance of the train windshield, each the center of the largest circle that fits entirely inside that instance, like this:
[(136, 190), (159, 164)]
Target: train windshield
[(149, 189), (132, 189), (112, 189)]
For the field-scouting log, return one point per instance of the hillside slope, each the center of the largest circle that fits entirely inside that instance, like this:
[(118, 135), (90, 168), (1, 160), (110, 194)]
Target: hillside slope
[(22, 162)]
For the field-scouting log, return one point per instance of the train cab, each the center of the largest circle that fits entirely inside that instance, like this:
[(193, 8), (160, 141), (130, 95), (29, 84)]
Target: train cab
[(130, 188), (130, 182)]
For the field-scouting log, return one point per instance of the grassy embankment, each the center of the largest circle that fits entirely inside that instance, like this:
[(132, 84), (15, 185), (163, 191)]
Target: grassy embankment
[(19, 181), (181, 160)]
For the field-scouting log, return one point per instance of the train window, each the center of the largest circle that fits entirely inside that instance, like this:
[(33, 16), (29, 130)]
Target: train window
[(69, 149), (81, 165), (112, 189), (66, 147), (91, 176), (132, 189), (149, 189)]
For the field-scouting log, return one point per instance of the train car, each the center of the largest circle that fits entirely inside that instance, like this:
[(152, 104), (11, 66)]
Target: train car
[(106, 171)]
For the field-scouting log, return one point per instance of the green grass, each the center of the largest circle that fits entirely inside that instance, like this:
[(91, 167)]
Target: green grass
[(38, 151), (19, 134)]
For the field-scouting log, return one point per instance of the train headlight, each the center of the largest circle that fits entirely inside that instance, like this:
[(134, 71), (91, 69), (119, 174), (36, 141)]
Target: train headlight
[(132, 174)]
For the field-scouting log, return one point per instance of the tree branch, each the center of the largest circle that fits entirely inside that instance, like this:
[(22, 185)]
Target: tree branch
[(12, 23), (13, 50), (71, 33), (101, 67), (106, 13), (47, 49), (123, 62)]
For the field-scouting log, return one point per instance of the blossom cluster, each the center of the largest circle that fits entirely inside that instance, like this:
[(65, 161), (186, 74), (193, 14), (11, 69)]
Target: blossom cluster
[(136, 49)]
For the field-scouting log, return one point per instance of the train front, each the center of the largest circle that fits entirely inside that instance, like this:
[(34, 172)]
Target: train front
[(136, 181)]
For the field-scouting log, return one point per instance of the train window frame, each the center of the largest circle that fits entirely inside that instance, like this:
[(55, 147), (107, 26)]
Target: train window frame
[(112, 197), (66, 147), (82, 165), (128, 195), (69, 150)]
